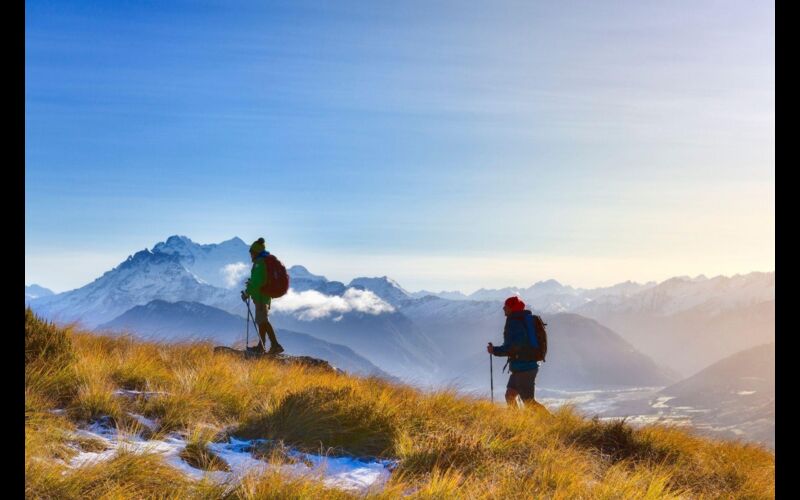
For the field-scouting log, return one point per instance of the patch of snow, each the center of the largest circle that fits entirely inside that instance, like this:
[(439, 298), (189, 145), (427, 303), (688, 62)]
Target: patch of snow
[(133, 393), (347, 473), (150, 424), (745, 393)]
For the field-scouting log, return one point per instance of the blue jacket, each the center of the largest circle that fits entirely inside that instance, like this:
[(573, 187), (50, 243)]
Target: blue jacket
[(519, 331)]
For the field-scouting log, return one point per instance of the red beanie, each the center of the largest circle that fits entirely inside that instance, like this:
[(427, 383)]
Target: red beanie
[(515, 304)]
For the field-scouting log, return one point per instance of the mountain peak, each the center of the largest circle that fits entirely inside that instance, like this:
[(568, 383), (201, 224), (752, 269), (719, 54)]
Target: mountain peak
[(384, 287), (235, 240), (178, 240), (550, 284), (301, 272), (147, 256)]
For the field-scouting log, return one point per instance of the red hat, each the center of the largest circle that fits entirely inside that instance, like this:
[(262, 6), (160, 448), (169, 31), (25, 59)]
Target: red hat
[(515, 304)]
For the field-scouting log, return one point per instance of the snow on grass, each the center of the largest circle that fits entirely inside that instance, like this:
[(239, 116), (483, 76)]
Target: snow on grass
[(134, 393), (151, 425), (347, 473)]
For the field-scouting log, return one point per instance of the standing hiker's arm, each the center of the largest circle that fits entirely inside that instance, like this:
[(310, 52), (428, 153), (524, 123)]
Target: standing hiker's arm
[(253, 282), (502, 350)]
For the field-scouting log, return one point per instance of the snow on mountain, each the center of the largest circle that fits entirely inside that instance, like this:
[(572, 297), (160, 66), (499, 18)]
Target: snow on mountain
[(301, 273), (546, 296), (223, 265), (495, 294), (669, 297), (302, 280), (683, 293), (35, 291), (452, 295), (384, 287), (143, 277)]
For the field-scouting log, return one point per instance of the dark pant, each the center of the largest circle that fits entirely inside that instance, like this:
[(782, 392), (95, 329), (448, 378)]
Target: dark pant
[(264, 326), (524, 383)]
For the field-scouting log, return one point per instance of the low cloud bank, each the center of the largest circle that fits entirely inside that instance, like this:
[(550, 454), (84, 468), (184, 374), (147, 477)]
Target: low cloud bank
[(311, 304), (234, 273)]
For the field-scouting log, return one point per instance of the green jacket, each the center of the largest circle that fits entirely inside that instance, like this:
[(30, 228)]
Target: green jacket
[(258, 278)]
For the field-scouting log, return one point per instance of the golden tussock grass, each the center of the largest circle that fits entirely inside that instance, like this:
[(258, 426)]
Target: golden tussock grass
[(447, 445)]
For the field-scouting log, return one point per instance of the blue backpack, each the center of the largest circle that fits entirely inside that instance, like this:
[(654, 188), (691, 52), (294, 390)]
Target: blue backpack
[(536, 350)]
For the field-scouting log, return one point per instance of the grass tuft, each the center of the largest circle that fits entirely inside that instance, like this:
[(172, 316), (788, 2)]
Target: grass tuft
[(615, 441), (321, 417), (46, 342)]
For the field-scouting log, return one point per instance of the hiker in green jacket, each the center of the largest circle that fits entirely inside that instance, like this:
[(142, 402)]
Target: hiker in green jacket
[(258, 279)]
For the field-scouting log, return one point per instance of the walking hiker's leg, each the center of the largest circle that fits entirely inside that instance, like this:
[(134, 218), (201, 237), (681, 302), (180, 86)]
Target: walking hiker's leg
[(528, 391), (536, 406), (511, 390), (511, 397)]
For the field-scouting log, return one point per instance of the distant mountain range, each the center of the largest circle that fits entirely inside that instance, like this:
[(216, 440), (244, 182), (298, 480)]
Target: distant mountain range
[(167, 321), (688, 324), (684, 324)]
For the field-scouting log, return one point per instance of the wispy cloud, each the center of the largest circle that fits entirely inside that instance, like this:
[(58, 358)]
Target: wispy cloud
[(234, 273), (310, 304)]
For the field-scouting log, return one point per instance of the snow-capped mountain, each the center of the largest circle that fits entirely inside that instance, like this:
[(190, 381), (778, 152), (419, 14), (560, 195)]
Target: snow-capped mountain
[(224, 265), (683, 293), (301, 280), (547, 296), (35, 291), (452, 295), (495, 294), (384, 287), (143, 277)]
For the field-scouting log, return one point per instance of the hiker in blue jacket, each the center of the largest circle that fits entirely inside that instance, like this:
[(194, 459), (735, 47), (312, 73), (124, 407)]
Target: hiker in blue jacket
[(518, 337)]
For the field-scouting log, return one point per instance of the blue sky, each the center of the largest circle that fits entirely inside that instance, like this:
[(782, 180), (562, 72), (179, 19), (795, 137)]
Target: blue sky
[(446, 144)]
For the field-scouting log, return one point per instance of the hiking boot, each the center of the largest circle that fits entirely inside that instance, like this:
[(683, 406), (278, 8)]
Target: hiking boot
[(256, 348), (275, 349)]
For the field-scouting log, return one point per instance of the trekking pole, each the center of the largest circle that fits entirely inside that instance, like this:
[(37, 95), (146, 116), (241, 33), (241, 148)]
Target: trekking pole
[(491, 375), (247, 322), (251, 316)]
